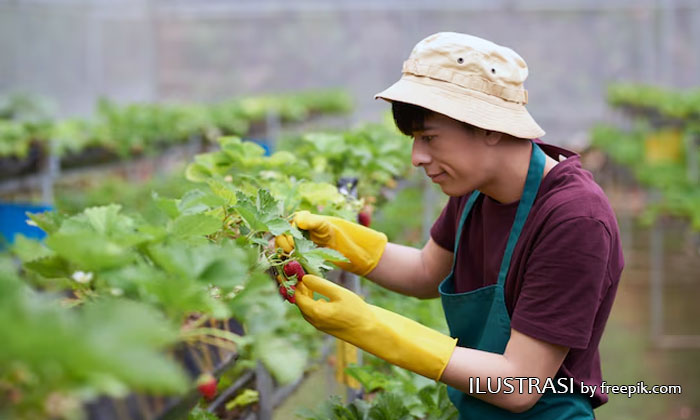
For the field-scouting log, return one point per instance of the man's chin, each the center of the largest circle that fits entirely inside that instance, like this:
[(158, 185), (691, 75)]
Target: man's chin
[(454, 192)]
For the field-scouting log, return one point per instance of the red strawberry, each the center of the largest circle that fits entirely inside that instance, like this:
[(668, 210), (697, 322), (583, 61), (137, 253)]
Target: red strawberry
[(287, 294), (364, 218), (206, 384), (294, 268)]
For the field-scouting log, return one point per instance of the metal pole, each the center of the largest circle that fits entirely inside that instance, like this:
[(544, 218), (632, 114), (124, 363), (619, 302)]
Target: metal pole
[(656, 277), (152, 50), (666, 32), (647, 44), (94, 57), (52, 166), (273, 126), (691, 155), (264, 387)]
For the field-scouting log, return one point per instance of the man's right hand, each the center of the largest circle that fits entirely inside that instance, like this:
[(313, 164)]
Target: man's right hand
[(361, 245)]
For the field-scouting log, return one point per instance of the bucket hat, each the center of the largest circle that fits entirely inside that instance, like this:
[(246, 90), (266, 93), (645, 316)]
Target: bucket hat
[(469, 79)]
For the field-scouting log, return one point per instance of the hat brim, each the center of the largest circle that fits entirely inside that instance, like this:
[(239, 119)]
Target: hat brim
[(466, 105)]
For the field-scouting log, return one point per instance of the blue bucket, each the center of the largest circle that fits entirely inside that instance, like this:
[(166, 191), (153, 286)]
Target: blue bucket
[(13, 220)]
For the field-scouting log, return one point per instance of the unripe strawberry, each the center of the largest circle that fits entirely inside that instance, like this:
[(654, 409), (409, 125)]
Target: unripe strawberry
[(206, 384), (294, 268), (364, 218)]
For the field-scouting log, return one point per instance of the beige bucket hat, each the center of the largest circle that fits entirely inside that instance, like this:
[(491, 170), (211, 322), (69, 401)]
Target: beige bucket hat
[(468, 79)]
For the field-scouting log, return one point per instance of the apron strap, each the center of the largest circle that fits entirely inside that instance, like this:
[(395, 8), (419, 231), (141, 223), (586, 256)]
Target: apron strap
[(465, 213), (532, 185)]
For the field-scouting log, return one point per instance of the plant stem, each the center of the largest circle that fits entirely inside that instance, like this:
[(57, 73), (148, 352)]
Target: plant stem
[(221, 334)]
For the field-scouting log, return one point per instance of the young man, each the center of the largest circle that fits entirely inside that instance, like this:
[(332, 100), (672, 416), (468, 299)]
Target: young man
[(525, 256)]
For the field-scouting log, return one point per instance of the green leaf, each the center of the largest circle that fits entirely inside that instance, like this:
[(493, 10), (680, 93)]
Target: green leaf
[(223, 190), (328, 254), (250, 214), (29, 249), (197, 172), (49, 267), (312, 260), (198, 413), (252, 149), (247, 397), (198, 201), (226, 266), (320, 193), (49, 221), (89, 252), (388, 406), (278, 226), (105, 220), (370, 379), (267, 205), (169, 206), (194, 225), (285, 363)]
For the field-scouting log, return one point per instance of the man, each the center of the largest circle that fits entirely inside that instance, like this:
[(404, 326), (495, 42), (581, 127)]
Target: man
[(525, 256)]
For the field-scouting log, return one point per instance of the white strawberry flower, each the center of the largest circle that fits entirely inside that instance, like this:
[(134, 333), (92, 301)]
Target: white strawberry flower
[(115, 291), (228, 178), (82, 277)]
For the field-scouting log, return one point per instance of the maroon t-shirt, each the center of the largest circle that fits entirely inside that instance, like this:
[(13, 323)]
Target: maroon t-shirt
[(565, 267)]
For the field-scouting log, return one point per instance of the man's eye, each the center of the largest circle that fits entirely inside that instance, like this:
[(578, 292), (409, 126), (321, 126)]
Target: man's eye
[(427, 138)]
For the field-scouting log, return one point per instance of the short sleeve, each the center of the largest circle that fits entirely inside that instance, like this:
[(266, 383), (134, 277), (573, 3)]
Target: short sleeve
[(565, 281), (443, 230)]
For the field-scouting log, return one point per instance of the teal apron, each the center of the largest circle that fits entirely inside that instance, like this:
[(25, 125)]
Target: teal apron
[(479, 319)]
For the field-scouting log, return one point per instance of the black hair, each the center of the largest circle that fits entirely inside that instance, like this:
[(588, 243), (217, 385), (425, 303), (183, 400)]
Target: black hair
[(409, 118)]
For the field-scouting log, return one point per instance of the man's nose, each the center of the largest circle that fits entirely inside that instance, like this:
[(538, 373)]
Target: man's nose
[(419, 153)]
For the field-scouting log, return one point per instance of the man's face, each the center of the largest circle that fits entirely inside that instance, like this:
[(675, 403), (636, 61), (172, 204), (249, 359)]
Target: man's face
[(453, 157)]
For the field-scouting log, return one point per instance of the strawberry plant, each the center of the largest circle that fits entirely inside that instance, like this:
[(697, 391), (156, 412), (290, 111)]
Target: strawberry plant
[(53, 357), (627, 148), (396, 395), (146, 128), (666, 103), (374, 153), (206, 256)]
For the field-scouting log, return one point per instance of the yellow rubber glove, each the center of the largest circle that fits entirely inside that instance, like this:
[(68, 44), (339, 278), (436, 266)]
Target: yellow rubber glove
[(392, 337), (361, 245)]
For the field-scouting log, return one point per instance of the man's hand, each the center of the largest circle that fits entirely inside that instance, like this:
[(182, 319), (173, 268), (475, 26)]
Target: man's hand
[(392, 337), (361, 245)]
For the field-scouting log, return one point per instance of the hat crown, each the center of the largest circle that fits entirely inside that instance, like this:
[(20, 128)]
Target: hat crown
[(450, 53), (468, 79)]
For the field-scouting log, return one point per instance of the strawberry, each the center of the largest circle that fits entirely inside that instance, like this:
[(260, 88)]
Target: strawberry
[(206, 384), (294, 268), (288, 294), (364, 218)]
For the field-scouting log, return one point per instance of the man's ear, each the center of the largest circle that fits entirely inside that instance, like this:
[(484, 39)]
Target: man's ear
[(492, 138)]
